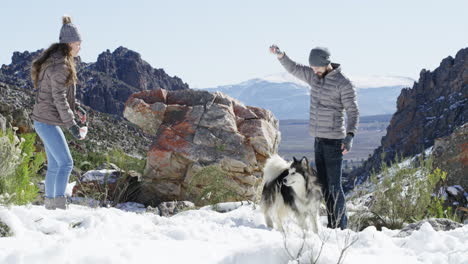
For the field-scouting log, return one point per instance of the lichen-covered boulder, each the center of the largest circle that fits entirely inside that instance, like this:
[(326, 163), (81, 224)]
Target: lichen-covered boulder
[(194, 129)]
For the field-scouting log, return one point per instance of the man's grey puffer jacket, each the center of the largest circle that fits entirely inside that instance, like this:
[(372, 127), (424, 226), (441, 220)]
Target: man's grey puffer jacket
[(329, 98)]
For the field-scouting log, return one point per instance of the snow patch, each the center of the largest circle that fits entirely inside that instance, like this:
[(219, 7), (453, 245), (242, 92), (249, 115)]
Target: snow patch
[(109, 235)]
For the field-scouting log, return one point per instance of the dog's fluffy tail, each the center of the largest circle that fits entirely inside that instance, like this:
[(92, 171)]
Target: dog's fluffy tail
[(274, 166)]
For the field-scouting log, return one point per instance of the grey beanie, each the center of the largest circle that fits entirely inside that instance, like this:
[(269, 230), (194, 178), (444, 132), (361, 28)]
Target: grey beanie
[(69, 33), (319, 57)]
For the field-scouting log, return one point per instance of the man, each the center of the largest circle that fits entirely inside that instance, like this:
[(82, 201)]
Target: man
[(331, 94)]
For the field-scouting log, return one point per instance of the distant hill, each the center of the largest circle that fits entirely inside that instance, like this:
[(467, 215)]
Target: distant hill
[(288, 98)]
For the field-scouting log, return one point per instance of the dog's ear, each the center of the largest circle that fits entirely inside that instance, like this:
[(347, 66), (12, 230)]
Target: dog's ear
[(294, 160), (305, 162)]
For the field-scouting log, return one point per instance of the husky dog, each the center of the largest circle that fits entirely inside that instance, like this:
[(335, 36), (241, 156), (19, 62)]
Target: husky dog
[(290, 188)]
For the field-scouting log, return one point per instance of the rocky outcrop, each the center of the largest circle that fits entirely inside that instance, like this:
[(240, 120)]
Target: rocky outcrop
[(457, 198), (128, 66), (110, 182), (18, 73), (194, 129), (104, 85), (15, 107), (5, 230), (435, 106), (438, 224), (451, 156), (171, 208)]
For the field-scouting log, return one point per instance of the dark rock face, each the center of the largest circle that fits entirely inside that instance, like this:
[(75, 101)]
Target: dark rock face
[(104, 85), (18, 73), (15, 107), (128, 67), (435, 106)]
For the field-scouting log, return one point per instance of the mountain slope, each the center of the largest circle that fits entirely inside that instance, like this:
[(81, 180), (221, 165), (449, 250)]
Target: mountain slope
[(106, 132), (434, 107), (104, 85)]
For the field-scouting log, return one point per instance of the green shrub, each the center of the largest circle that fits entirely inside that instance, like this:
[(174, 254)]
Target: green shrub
[(90, 160), (211, 185), (438, 208), (19, 187), (405, 194)]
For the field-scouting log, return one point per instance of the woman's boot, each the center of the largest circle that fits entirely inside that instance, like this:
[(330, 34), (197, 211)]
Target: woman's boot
[(61, 202), (49, 203)]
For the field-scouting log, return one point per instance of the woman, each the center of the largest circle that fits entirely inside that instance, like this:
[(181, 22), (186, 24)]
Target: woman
[(54, 77)]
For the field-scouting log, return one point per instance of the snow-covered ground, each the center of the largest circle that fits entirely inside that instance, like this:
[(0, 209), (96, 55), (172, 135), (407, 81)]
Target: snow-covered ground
[(109, 235)]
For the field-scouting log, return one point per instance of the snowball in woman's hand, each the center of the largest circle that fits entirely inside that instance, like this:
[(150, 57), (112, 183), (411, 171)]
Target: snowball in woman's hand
[(83, 131)]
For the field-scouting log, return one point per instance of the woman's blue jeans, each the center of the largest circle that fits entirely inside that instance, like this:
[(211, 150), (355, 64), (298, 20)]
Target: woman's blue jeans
[(59, 159), (328, 160)]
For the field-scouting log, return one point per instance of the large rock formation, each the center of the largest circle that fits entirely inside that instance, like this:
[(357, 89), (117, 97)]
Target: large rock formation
[(194, 129), (433, 108), (451, 156), (104, 85)]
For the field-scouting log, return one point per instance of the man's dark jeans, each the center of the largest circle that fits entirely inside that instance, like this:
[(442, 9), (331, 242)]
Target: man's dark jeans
[(328, 159)]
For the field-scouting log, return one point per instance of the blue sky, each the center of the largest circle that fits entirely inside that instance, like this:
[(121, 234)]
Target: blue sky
[(215, 42)]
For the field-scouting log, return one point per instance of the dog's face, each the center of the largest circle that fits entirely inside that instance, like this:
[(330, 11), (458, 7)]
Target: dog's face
[(298, 173), (294, 179)]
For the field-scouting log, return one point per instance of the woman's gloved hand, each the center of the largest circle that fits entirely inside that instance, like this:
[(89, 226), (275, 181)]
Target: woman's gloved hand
[(75, 131)]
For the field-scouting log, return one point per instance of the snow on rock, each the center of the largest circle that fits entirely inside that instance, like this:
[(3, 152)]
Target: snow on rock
[(109, 235), (109, 175), (453, 190), (438, 224)]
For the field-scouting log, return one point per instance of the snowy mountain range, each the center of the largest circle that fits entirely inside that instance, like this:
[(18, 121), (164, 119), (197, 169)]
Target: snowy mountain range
[(288, 97)]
